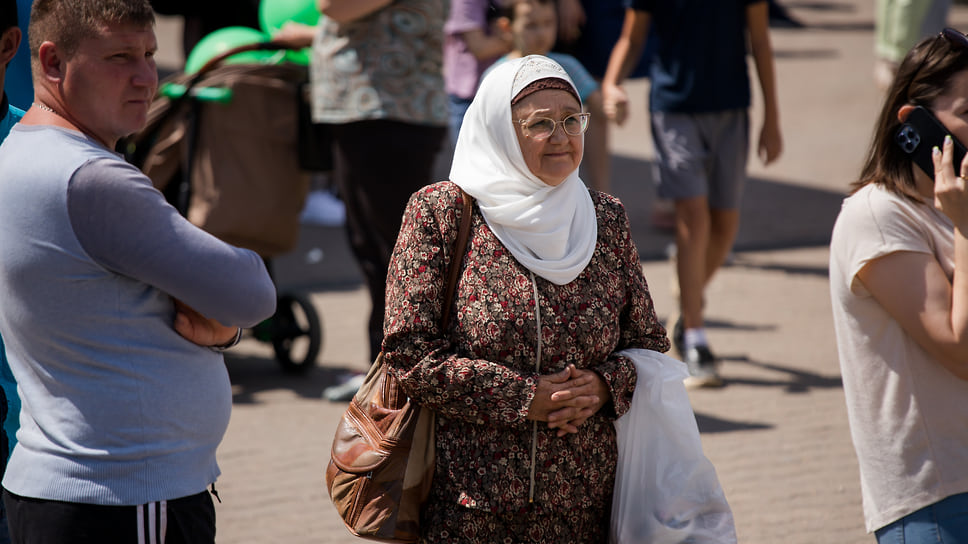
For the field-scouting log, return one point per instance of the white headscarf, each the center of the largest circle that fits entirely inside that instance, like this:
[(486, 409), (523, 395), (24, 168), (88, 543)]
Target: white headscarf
[(550, 230)]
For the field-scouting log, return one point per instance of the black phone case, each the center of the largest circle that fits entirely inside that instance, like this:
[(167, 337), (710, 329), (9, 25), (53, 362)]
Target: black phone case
[(921, 132)]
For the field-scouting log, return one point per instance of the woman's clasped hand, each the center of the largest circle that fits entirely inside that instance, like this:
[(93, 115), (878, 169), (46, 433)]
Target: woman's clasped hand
[(568, 398)]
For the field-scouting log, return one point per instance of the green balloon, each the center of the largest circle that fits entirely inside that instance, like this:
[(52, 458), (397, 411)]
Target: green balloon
[(221, 41), (299, 56), (273, 14)]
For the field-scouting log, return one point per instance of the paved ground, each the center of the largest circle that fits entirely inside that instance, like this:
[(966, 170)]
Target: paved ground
[(777, 433)]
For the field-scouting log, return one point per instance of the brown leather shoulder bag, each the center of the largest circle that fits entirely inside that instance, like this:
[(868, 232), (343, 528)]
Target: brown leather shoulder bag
[(382, 461)]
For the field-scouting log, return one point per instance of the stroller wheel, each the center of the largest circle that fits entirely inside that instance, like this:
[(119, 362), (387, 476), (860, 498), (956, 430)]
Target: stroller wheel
[(296, 333)]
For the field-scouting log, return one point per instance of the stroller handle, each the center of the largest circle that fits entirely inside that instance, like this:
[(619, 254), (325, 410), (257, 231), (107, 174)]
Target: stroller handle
[(178, 91), (222, 95), (275, 44)]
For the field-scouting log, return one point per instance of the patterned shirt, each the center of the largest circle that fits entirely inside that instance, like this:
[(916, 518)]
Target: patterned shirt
[(386, 65), (480, 378)]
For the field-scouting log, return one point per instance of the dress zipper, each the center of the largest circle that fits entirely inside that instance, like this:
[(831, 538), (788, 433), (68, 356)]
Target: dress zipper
[(537, 369)]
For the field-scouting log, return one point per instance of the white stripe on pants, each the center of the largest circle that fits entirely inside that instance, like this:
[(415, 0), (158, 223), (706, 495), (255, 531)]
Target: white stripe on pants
[(152, 532)]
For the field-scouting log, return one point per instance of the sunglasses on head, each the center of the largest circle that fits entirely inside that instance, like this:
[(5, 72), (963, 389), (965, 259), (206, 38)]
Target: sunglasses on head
[(949, 35)]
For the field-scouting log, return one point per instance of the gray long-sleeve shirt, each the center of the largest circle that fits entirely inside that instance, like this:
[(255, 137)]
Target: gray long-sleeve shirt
[(117, 407)]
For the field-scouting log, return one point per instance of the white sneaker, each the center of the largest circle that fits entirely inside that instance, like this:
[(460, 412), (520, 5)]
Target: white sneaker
[(323, 208), (345, 391)]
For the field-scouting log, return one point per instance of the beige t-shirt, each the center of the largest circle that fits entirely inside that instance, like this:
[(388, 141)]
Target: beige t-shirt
[(908, 414)]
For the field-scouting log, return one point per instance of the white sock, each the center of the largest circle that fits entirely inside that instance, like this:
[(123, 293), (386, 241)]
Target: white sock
[(694, 337)]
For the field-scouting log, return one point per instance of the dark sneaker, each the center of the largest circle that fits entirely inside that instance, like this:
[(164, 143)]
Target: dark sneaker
[(702, 368), (781, 18)]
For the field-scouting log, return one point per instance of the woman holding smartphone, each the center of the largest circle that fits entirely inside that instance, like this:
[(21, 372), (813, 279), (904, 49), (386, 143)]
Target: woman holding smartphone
[(899, 286)]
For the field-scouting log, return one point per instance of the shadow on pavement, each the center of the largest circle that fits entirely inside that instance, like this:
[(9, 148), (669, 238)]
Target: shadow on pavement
[(849, 26), (713, 424), (805, 54), (839, 7), (774, 214), (792, 269), (732, 325), (251, 375), (795, 381)]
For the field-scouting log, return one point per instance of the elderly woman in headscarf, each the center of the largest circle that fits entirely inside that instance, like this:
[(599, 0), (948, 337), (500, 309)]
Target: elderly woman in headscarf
[(525, 382)]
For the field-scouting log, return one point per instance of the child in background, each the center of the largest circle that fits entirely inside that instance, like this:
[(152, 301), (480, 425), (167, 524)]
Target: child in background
[(699, 104), (472, 42), (533, 25), (587, 29)]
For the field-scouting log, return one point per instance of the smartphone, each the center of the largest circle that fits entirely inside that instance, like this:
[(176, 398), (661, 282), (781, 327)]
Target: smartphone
[(921, 132)]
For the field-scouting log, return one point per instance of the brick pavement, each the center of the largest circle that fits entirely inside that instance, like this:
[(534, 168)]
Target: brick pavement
[(777, 433)]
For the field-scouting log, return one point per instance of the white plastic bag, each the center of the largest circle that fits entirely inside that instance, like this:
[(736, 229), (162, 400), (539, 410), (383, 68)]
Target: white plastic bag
[(666, 490)]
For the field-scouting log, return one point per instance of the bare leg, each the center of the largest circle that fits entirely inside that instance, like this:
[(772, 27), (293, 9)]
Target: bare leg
[(701, 248), (724, 224), (692, 247)]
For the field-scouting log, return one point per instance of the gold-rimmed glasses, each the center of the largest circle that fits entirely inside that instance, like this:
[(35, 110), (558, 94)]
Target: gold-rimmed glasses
[(541, 128)]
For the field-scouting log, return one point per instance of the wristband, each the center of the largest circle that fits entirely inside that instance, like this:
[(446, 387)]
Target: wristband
[(235, 340)]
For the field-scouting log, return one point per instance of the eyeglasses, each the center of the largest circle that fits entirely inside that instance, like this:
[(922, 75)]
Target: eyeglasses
[(948, 34), (541, 128)]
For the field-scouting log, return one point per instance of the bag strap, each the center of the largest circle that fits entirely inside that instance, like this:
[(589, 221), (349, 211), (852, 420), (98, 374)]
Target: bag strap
[(391, 393), (457, 257)]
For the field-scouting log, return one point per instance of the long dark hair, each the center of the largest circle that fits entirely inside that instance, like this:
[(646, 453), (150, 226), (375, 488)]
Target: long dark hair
[(924, 74)]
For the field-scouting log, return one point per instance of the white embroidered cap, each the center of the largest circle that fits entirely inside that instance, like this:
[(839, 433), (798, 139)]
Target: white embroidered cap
[(535, 67)]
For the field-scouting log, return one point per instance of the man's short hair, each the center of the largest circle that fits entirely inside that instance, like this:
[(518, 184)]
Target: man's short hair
[(67, 22), (8, 15)]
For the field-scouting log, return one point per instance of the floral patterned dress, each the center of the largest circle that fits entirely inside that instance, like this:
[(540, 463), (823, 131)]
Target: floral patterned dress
[(499, 476)]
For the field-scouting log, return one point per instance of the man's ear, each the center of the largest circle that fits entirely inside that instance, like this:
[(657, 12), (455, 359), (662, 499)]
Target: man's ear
[(9, 42), (902, 114), (51, 61)]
